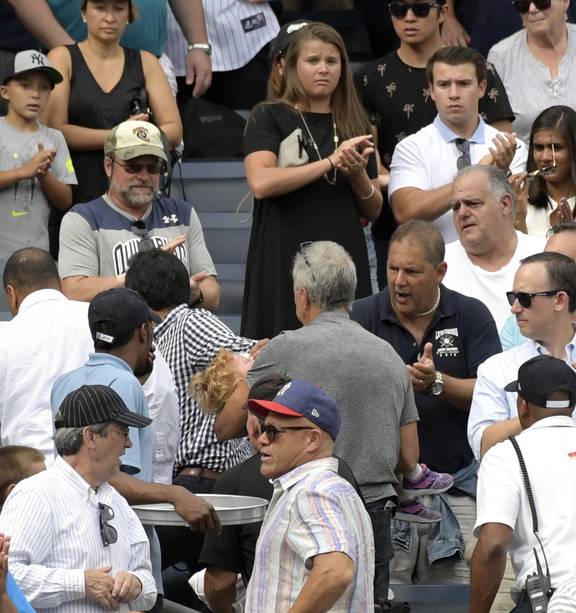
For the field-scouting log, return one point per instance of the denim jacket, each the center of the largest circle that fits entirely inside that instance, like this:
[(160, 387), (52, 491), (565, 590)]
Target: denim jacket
[(445, 538)]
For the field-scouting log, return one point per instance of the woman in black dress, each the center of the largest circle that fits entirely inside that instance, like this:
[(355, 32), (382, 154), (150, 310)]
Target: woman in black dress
[(311, 165)]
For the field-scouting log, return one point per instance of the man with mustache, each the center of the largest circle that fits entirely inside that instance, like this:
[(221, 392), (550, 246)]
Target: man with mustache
[(98, 239)]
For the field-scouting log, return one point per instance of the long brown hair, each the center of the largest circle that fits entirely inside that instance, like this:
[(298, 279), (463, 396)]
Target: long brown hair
[(349, 114), (563, 120)]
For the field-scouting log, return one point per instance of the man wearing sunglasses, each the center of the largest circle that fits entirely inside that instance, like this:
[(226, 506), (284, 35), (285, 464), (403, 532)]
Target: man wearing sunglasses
[(538, 63), (76, 545), (543, 299), (394, 90), (98, 239), (315, 551), (482, 263), (425, 164)]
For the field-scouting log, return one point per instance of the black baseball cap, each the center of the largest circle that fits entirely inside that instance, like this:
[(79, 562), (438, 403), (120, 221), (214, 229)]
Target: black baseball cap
[(115, 313), (540, 377), (285, 36), (96, 404)]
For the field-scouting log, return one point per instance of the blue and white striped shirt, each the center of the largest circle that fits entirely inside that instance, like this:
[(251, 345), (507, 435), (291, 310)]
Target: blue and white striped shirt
[(313, 511)]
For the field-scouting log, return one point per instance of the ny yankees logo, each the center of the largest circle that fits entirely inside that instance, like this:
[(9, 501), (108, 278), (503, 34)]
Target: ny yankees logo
[(37, 58)]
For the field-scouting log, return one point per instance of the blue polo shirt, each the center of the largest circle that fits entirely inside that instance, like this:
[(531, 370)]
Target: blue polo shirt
[(463, 334), (105, 369)]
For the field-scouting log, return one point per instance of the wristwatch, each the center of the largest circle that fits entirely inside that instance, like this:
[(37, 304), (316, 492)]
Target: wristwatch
[(438, 385), (205, 47)]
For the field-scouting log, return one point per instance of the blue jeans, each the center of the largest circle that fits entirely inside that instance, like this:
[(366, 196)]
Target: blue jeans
[(380, 512)]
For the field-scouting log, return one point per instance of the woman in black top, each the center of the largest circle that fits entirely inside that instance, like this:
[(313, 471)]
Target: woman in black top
[(105, 84), (310, 163)]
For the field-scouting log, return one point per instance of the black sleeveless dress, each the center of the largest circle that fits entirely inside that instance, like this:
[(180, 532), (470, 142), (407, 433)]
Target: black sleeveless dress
[(90, 107)]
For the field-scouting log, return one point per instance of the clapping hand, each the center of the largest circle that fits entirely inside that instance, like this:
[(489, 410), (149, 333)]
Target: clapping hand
[(352, 155), (40, 163)]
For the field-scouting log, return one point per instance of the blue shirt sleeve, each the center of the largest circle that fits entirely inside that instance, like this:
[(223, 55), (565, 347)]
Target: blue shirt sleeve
[(510, 334)]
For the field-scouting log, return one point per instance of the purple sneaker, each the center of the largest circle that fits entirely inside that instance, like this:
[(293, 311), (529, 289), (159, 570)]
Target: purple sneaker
[(412, 510), (429, 483)]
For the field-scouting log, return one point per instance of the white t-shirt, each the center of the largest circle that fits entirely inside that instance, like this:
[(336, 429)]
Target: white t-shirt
[(427, 160), (489, 287), (549, 450), (538, 219)]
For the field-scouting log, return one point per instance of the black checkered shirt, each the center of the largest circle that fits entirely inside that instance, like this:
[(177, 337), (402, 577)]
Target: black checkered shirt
[(189, 339)]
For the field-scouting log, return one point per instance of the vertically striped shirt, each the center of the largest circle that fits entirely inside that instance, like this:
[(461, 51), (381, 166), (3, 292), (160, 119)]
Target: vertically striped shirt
[(53, 521), (312, 511), (237, 30)]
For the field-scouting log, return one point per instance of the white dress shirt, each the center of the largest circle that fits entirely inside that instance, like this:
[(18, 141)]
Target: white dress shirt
[(490, 403), (48, 337), (489, 287), (163, 407), (53, 521), (427, 160)]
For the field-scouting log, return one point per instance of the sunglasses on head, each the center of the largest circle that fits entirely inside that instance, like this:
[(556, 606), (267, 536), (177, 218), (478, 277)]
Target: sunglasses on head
[(146, 243), (134, 168), (273, 431), (525, 298), (107, 532), (420, 9), (523, 6)]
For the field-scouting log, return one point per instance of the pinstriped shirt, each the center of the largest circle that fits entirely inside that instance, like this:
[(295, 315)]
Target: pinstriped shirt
[(237, 30), (312, 511), (189, 340), (53, 521)]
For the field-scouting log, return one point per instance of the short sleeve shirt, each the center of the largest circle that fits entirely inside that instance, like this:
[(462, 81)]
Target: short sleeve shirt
[(463, 335), (97, 238), (24, 208)]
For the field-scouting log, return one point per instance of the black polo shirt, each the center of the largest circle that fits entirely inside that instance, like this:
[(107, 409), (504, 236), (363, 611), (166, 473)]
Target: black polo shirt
[(463, 335)]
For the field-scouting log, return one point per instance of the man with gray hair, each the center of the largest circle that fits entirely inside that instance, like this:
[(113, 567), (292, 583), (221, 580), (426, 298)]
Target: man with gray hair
[(75, 543), (362, 373), (482, 264)]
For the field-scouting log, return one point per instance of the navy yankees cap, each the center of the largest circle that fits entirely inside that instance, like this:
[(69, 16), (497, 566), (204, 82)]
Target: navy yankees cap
[(302, 399)]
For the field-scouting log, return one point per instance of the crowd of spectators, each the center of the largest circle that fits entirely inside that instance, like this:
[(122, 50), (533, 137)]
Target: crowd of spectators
[(420, 431)]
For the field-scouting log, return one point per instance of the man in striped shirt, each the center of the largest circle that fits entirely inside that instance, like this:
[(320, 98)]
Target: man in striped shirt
[(315, 551)]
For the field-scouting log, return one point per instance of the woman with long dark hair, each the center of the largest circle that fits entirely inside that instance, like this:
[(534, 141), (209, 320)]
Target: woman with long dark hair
[(546, 194), (310, 163)]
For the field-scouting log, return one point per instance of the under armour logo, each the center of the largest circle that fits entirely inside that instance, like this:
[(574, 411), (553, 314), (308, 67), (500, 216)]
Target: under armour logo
[(170, 218), (314, 413), (37, 58)]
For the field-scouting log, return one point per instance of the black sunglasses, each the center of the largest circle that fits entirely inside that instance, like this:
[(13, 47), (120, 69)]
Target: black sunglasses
[(525, 298), (303, 247), (134, 168), (273, 431), (107, 532), (523, 6), (420, 9)]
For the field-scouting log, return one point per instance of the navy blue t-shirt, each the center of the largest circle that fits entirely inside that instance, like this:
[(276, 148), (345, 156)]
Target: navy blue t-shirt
[(463, 335)]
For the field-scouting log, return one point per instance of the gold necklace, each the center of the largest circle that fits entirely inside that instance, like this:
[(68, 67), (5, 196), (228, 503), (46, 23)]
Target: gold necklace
[(331, 180)]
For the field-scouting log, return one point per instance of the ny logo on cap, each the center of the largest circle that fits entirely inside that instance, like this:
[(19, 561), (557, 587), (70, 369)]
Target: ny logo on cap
[(37, 58), (284, 389)]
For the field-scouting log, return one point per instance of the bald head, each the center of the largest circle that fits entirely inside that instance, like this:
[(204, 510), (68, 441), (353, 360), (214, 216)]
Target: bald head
[(31, 269), (562, 239)]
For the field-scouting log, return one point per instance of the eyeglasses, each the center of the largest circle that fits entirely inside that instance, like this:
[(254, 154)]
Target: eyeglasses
[(525, 298), (523, 6), (134, 168), (303, 247), (273, 431), (139, 228), (420, 9), (107, 532)]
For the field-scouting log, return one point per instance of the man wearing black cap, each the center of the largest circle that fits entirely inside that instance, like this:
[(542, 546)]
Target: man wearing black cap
[(120, 323), (546, 388), (315, 551), (75, 543)]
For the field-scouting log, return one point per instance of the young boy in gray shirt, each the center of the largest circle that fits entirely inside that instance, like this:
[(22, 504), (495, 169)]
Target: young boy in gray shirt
[(36, 170)]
